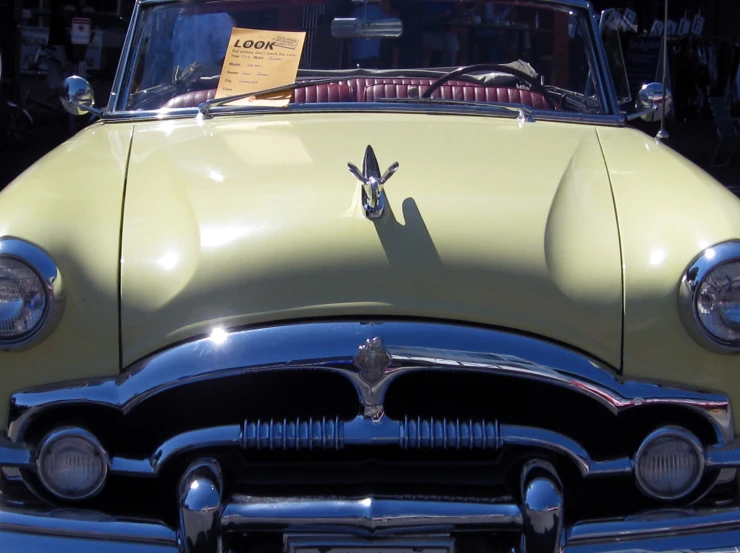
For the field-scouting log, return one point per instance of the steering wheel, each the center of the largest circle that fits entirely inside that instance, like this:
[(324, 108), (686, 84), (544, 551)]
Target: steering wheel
[(534, 83)]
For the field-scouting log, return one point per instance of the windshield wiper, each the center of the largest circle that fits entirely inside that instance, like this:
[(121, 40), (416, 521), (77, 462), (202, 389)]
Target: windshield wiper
[(523, 112), (204, 109)]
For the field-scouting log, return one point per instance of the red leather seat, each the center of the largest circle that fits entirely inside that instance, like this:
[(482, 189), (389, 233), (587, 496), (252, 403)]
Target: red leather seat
[(360, 85), (323, 93), (368, 90), (467, 92), (190, 99), (332, 92)]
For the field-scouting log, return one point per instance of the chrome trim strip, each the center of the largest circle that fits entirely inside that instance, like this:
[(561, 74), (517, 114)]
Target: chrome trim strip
[(366, 107), (18, 456), (331, 346), (569, 3), (125, 60), (656, 524), (706, 262), (724, 456), (221, 436), (361, 431), (605, 81), (42, 263), (69, 523), (14, 455), (367, 514), (335, 435)]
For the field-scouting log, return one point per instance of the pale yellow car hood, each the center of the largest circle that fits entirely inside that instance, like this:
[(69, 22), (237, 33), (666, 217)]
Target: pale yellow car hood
[(241, 220)]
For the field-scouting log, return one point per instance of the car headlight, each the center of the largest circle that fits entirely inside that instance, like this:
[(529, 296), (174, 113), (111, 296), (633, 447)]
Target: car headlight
[(669, 464), (31, 294), (709, 298), (72, 464)]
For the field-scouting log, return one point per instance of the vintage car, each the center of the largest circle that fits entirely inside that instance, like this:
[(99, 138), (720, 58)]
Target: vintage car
[(431, 292)]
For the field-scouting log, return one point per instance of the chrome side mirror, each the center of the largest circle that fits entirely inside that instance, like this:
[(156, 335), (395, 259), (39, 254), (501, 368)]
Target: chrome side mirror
[(77, 96), (650, 102)]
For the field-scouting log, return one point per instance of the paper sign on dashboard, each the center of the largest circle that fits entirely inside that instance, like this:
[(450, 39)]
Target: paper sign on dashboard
[(259, 60)]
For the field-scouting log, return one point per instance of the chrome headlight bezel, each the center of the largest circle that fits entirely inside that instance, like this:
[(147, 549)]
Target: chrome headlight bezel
[(696, 273), (48, 273)]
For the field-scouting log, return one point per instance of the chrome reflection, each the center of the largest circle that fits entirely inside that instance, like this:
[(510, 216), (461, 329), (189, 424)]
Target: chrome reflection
[(687, 530), (542, 507), (706, 262), (654, 102), (51, 278), (373, 196), (80, 524), (200, 499), (78, 97), (368, 514)]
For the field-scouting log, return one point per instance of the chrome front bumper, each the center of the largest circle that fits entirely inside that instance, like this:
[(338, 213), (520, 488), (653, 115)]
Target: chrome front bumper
[(24, 530)]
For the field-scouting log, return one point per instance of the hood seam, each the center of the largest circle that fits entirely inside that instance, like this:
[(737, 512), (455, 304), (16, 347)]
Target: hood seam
[(120, 250), (621, 251)]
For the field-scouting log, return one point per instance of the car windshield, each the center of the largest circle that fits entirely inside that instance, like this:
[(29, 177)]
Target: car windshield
[(183, 54)]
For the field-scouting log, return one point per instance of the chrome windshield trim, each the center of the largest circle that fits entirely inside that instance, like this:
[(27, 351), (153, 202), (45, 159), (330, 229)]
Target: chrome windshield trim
[(605, 81), (584, 4), (369, 107), (125, 60), (332, 346)]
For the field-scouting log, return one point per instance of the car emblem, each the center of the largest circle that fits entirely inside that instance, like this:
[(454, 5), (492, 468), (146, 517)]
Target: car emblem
[(372, 359), (373, 197)]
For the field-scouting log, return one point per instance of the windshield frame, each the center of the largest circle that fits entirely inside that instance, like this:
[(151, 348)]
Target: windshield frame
[(116, 108)]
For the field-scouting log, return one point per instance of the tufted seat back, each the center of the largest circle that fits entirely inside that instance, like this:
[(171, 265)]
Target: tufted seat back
[(190, 99), (462, 93), (369, 90), (333, 92)]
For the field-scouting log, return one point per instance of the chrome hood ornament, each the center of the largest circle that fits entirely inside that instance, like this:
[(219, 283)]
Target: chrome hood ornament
[(372, 359), (373, 197)]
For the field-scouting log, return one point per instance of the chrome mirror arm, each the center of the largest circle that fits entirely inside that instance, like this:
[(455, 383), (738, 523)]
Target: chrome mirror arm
[(640, 114), (89, 109)]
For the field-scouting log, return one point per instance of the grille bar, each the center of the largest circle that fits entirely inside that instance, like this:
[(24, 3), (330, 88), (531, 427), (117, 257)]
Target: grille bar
[(293, 434), (449, 434), (332, 434)]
